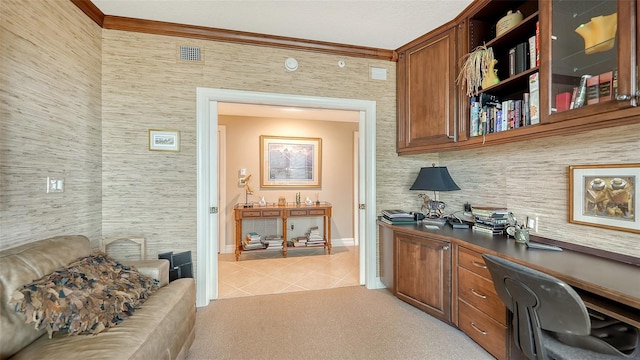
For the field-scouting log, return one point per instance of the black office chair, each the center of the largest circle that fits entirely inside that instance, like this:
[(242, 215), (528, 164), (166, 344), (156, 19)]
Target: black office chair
[(550, 320)]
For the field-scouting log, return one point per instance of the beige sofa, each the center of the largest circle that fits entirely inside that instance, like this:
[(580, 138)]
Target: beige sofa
[(163, 328)]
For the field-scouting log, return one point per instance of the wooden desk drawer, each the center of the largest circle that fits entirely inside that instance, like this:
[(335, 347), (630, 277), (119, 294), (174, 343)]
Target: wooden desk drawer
[(251, 213), (473, 261), (257, 213), (480, 293), (299, 212), (271, 213), (488, 333), (317, 212)]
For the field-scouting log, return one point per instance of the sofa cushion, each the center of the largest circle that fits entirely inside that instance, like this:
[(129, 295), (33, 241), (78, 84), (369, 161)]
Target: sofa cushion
[(85, 297)]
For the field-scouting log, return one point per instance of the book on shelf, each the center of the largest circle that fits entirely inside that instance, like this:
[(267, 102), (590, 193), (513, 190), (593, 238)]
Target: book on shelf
[(532, 52), (537, 43), (581, 95), (512, 61), (572, 104), (593, 90), (521, 57), (614, 83), (525, 109), (563, 100), (605, 86), (534, 98), (474, 121)]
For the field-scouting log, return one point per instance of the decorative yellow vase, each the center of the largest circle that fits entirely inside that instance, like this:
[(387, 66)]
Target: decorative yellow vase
[(599, 34), (490, 77)]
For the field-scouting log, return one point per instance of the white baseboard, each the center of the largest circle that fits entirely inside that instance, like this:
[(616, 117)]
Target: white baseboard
[(230, 249)]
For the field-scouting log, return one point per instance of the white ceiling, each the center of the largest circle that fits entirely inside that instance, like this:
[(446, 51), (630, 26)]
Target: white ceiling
[(383, 24)]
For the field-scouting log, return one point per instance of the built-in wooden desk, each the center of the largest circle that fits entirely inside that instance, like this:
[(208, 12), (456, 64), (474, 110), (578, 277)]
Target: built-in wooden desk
[(604, 284), (284, 212)]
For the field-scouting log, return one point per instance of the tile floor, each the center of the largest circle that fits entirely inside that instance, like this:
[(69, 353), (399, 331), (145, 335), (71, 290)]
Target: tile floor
[(267, 272)]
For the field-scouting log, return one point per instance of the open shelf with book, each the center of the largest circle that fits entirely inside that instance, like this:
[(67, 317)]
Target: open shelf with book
[(505, 105)]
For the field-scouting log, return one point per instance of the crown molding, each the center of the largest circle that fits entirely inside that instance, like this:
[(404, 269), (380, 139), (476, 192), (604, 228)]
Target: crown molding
[(90, 10), (239, 37)]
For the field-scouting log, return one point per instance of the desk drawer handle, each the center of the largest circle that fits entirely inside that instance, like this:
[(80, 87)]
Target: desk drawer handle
[(477, 264), (478, 330), (478, 294)]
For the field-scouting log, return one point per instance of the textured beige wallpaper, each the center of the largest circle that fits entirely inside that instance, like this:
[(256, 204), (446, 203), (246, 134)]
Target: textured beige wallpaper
[(531, 179), (50, 76), (144, 86)]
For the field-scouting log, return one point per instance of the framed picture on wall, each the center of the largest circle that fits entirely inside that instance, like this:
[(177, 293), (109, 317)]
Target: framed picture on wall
[(164, 140), (605, 196), (290, 162)]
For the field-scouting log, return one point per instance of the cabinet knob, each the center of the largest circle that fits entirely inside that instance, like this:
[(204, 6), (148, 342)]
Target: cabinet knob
[(445, 248), (623, 97)]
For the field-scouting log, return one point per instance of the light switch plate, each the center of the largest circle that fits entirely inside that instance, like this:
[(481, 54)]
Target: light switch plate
[(54, 185)]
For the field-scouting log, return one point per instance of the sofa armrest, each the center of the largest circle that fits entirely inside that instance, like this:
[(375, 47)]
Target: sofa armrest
[(156, 269)]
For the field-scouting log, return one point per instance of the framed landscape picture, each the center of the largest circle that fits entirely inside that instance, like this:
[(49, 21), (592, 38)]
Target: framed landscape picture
[(164, 140), (290, 162), (605, 196)]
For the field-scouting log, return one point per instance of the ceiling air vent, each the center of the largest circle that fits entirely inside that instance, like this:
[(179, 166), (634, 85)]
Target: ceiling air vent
[(190, 53)]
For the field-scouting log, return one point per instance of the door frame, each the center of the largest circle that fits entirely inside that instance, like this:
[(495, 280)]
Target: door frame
[(207, 187)]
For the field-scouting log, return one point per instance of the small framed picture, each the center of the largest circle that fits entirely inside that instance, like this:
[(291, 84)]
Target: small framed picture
[(605, 196), (164, 140)]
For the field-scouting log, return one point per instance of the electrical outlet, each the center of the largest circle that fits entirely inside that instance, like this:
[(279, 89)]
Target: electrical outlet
[(531, 223)]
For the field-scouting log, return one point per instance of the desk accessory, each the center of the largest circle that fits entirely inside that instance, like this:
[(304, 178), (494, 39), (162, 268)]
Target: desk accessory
[(434, 178)]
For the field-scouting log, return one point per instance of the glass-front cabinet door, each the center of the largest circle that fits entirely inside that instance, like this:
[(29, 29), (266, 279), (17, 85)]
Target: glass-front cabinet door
[(592, 59)]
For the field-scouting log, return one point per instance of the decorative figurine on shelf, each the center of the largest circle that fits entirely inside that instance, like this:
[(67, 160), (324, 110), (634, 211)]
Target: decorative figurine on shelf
[(297, 199), (508, 21), (282, 201), (599, 34), (490, 75), (262, 202), (317, 198), (474, 67), (308, 202)]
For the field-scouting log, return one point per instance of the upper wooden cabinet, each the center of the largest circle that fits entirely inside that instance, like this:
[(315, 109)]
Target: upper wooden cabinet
[(427, 92), (594, 41), (431, 123)]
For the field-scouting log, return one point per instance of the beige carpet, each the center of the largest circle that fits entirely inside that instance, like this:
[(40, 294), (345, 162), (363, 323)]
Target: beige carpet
[(340, 323)]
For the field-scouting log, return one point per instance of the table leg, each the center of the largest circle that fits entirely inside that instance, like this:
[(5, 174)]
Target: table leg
[(238, 238), (327, 231), (284, 236)]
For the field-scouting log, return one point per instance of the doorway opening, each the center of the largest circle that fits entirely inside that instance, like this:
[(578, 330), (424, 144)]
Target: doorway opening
[(208, 206), (268, 272)]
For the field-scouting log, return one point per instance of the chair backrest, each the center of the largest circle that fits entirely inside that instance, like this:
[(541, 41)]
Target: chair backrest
[(538, 301)]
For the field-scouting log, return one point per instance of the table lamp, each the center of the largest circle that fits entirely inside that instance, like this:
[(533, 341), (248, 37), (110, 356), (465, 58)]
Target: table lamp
[(434, 178), (247, 190)]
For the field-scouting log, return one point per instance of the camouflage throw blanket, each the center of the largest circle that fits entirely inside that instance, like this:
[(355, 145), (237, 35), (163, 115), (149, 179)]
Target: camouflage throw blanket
[(86, 297)]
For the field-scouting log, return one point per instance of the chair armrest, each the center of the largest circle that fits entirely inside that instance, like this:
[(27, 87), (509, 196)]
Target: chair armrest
[(156, 269)]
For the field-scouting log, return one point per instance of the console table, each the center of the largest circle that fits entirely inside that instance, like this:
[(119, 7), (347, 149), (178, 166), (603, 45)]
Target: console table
[(284, 212)]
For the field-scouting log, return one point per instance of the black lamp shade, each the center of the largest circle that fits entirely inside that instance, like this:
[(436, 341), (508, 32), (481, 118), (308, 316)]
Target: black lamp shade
[(435, 178)]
